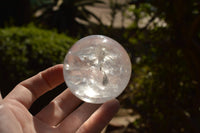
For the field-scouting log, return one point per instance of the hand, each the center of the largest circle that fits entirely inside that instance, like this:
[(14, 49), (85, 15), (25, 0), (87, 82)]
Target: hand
[(64, 114)]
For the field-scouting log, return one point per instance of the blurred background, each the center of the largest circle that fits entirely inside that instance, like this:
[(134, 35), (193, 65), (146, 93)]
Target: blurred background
[(162, 39)]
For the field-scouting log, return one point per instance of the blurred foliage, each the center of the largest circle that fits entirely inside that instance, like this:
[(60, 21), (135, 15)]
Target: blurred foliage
[(26, 51), (65, 15), (15, 12), (165, 86)]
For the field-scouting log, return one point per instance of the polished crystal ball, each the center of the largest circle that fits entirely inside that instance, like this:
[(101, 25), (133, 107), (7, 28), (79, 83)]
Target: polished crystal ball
[(97, 69)]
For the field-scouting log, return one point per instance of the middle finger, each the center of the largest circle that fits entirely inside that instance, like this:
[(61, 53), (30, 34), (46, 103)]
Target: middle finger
[(59, 108), (72, 122)]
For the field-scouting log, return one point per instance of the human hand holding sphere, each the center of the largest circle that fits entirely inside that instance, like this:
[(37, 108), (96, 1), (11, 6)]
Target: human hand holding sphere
[(64, 114), (99, 68)]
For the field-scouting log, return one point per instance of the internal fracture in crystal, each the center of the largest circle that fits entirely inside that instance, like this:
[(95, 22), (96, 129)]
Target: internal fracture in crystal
[(97, 69)]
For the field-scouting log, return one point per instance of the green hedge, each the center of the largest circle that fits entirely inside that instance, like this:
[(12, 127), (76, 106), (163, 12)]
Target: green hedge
[(24, 51)]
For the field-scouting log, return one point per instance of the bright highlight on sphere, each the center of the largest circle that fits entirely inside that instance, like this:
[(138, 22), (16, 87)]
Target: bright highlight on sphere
[(97, 69)]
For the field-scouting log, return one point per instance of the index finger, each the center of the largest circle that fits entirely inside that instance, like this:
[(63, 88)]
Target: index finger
[(29, 90)]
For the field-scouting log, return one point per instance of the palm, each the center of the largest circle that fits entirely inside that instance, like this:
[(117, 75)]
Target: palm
[(15, 118), (64, 114)]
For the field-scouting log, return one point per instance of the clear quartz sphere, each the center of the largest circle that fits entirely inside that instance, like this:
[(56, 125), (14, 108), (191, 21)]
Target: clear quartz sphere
[(97, 69)]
